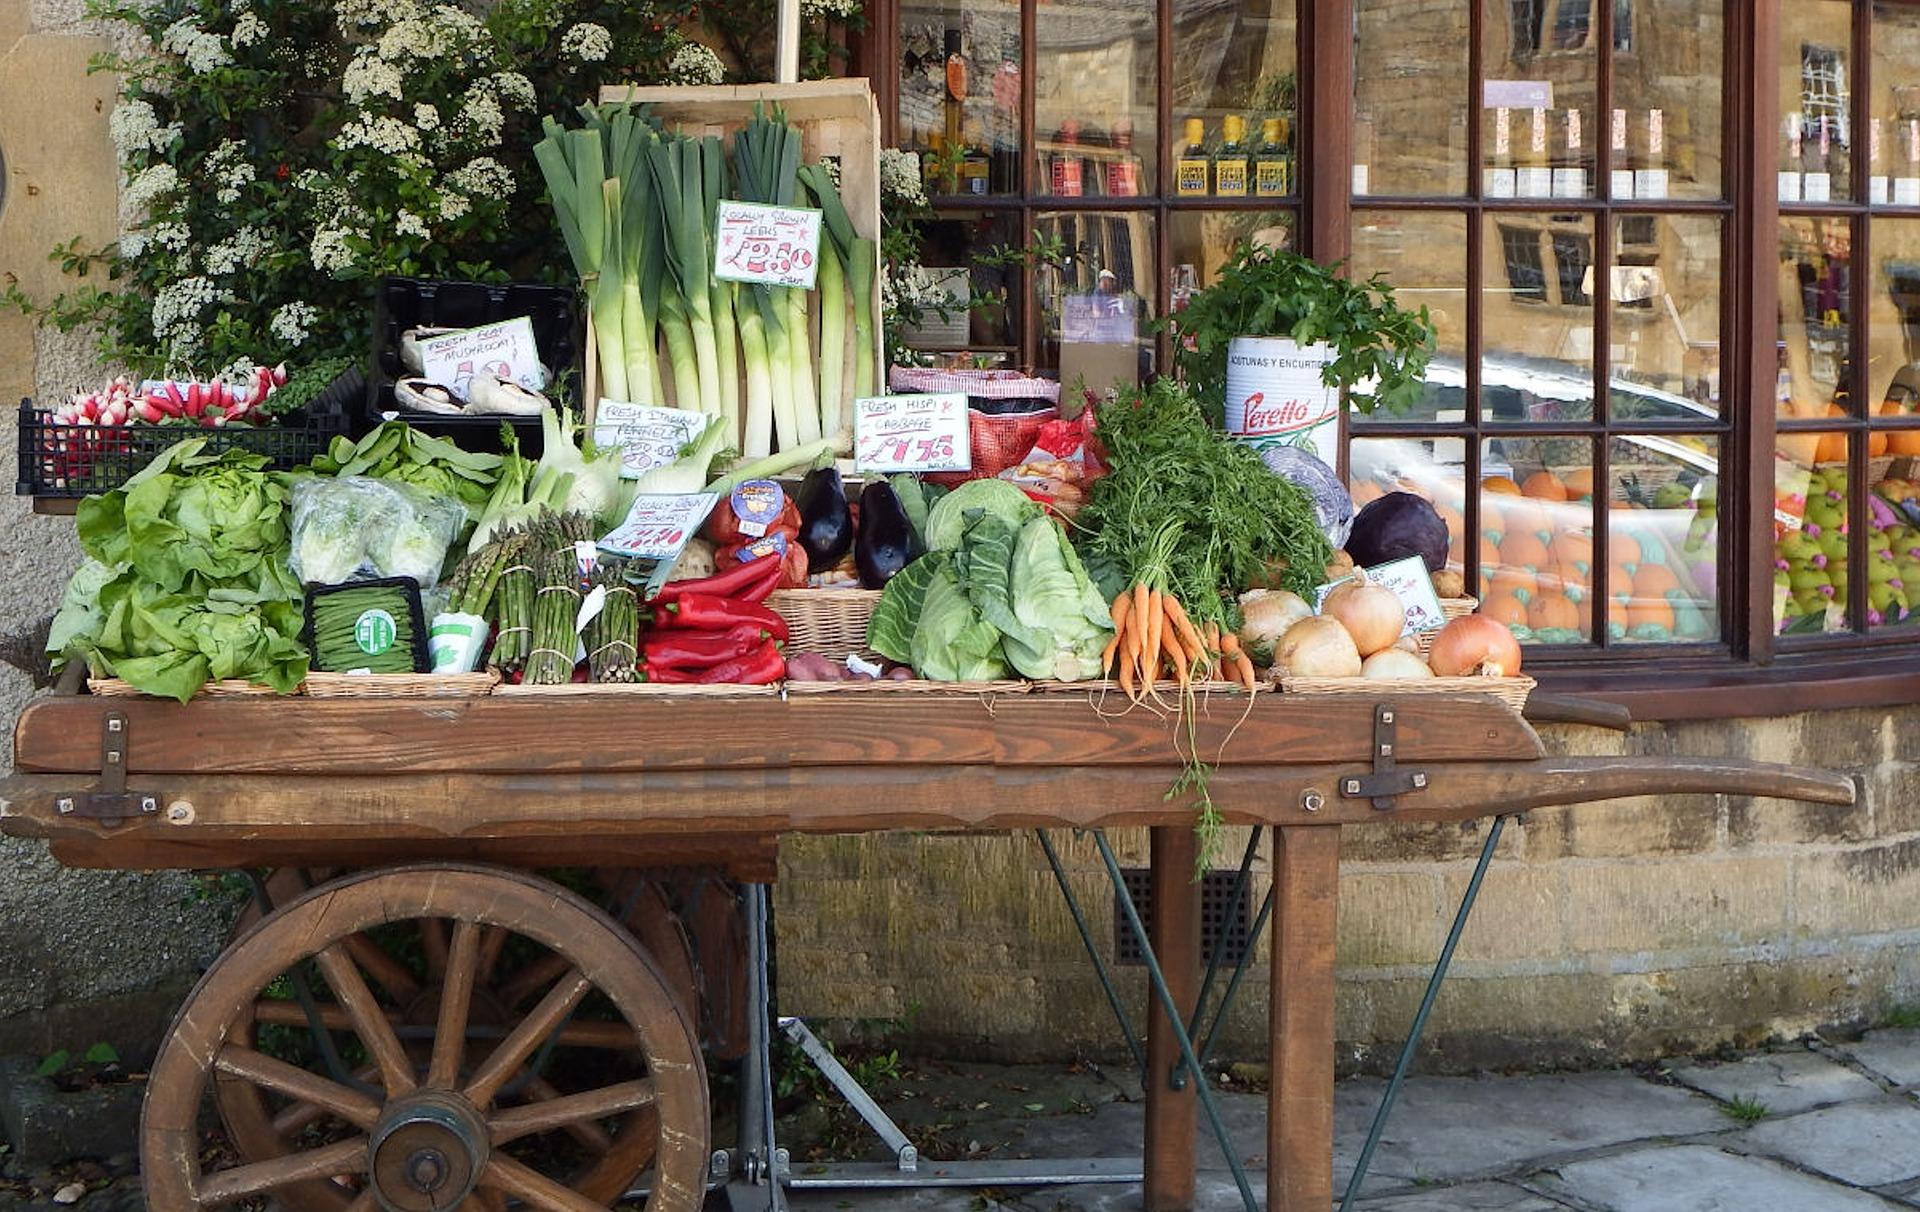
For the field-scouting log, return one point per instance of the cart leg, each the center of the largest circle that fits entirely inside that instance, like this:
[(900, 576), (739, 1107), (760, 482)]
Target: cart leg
[(1306, 873), (1171, 1106), (755, 1185)]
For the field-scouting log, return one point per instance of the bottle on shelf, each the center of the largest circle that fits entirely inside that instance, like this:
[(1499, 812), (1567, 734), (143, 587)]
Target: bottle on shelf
[(1620, 174), (956, 93), (1906, 185), (1231, 162), (1123, 170), (1879, 185), (1534, 177), (1816, 163), (1651, 177), (1191, 172), (1790, 169), (975, 168), (1500, 180), (1064, 166), (1570, 167), (1271, 175)]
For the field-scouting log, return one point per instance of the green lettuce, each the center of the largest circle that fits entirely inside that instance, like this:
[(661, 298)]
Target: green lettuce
[(897, 614), (952, 643), (171, 644)]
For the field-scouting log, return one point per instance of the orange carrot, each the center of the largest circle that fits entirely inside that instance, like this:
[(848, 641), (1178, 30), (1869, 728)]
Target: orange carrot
[(1122, 604), (1189, 636), (1170, 643), (1126, 666), (1156, 617), (1244, 666)]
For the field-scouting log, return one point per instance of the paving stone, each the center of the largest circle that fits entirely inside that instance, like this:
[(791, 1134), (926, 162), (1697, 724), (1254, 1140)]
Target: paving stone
[(1869, 1144), (1697, 1178), (1450, 1128), (1893, 1054), (1472, 1197), (1785, 1083)]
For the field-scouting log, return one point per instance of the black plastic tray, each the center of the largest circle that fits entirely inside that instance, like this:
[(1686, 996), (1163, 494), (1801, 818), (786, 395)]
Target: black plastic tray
[(416, 616), (405, 303), (67, 461)]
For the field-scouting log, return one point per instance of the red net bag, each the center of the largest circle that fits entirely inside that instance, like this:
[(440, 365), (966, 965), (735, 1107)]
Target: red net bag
[(1005, 412)]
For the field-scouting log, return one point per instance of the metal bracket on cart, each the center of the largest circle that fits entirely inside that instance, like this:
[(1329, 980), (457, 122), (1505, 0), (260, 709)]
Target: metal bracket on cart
[(1388, 779), (113, 803)]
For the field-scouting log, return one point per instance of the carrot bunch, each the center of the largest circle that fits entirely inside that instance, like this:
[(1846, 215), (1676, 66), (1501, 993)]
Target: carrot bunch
[(1153, 639)]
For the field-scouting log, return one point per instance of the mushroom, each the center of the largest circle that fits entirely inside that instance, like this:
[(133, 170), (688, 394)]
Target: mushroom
[(494, 395), (424, 395), (410, 357)]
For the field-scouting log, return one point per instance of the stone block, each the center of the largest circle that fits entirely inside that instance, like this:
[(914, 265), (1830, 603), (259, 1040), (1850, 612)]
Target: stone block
[(1893, 1054), (1766, 822), (47, 1125), (1648, 826), (1696, 1178), (1785, 1083), (1676, 904), (1868, 890), (1518, 915), (1423, 842), (1390, 918), (1868, 1143), (1893, 790)]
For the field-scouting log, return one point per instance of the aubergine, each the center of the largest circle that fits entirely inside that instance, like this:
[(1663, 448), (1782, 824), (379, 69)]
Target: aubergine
[(826, 524), (885, 543)]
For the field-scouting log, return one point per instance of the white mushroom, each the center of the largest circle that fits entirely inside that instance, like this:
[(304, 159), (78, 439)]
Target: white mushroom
[(410, 357), (493, 395), (424, 395)]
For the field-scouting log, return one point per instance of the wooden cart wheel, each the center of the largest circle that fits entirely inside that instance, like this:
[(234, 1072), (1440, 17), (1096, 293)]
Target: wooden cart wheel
[(466, 1117)]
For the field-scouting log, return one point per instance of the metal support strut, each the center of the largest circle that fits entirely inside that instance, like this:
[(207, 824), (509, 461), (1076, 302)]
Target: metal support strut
[(1405, 1062), (1100, 968)]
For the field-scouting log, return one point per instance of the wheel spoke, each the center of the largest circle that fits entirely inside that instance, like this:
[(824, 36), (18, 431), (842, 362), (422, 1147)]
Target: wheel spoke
[(534, 1188), (456, 997), (433, 941), (524, 1038), (284, 1013), (570, 1109), (482, 1200), (491, 944), (387, 972), (536, 976), (369, 1020), (225, 1186), (297, 1117), (295, 1082)]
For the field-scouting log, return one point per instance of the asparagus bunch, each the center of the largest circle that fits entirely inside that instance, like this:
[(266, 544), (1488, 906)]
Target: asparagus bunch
[(613, 636), (472, 587), (513, 602), (556, 605)]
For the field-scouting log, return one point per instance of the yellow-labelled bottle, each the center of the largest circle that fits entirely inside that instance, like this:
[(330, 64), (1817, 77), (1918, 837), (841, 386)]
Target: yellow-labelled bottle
[(1192, 170), (1231, 163), (1270, 175)]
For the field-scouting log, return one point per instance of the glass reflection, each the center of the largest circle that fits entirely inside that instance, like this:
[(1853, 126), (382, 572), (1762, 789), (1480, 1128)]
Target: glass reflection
[(1537, 318), (1424, 256)]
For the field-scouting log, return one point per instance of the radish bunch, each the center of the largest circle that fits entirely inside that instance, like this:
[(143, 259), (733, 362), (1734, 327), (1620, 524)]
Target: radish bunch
[(158, 401)]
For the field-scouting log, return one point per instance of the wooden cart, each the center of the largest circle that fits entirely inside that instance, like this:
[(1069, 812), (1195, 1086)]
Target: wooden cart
[(439, 807)]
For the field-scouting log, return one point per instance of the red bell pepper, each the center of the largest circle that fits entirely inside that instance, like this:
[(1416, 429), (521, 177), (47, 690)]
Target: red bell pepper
[(705, 612), (700, 649), (749, 582), (759, 667)]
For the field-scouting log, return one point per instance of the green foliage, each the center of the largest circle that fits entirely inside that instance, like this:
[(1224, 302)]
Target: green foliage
[(280, 156), (1264, 292), (1746, 1110), (98, 1055)]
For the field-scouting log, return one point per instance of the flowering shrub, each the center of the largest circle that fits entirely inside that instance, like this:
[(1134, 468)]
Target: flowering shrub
[(279, 156), (907, 292)]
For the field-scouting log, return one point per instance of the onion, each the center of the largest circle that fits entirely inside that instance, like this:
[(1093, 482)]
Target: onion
[(1266, 614), (1371, 614), (1475, 646), (1317, 648), (1449, 583), (1394, 663)]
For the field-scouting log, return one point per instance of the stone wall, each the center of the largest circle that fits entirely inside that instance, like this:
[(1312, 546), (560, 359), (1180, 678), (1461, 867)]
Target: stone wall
[(1605, 932)]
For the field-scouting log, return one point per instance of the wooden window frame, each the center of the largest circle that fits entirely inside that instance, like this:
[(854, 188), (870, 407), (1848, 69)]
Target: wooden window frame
[(1751, 671)]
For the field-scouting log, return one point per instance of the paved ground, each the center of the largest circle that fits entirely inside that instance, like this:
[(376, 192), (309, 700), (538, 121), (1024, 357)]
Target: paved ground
[(1813, 1128)]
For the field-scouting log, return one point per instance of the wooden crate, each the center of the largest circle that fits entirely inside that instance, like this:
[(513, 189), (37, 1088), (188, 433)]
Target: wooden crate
[(835, 118)]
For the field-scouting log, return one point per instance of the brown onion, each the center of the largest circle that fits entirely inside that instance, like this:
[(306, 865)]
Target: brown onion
[(1316, 648), (1372, 615), (1265, 616), (1475, 646), (1394, 663)]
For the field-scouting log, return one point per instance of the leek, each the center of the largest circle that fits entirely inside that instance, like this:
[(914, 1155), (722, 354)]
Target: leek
[(766, 155), (846, 266), (713, 185), (806, 410), (677, 183), (813, 454)]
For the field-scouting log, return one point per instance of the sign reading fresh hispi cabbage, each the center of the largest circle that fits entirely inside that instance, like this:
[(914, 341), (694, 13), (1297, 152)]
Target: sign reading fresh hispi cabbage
[(912, 433), (647, 436), (505, 350), (777, 245)]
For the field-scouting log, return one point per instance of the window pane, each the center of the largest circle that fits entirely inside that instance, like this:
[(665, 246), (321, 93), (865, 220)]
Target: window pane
[(1410, 98), (1536, 537), (1893, 455), (1424, 255), (1666, 318), (1663, 540), (1537, 110), (1203, 240), (1816, 85), (970, 315), (1810, 539), (1093, 283), (1893, 130), (1816, 336), (1094, 89), (1233, 81), (1536, 314), (1434, 468), (1668, 80), (960, 94)]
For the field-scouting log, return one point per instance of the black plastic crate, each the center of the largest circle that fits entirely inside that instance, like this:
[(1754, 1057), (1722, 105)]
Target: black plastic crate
[(405, 303), (66, 461)]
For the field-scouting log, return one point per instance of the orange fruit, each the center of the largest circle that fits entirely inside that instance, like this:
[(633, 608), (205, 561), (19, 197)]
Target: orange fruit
[(1876, 444), (1652, 580), (1515, 582), (1505, 608), (1579, 482), (1523, 549), (1656, 611), (1623, 548), (1544, 485), (1573, 547), (1619, 580), (1832, 448), (1904, 442), (1552, 610), (1501, 485), (1573, 579)]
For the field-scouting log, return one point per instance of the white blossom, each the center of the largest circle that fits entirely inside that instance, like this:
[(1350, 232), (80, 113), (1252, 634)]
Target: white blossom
[(176, 311), (828, 10), (833, 169), (291, 322), (481, 117), (406, 223), (440, 32), (134, 128), (354, 15), (248, 29), (174, 237), (381, 133), (329, 250), (242, 250), (587, 41), (482, 177), (369, 75), (202, 51), (230, 170), (148, 186), (454, 205), (515, 89), (425, 116), (695, 64), (900, 179), (133, 244)]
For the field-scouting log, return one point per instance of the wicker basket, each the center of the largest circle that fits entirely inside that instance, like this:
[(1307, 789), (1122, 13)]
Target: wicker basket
[(910, 686), (830, 622), (1511, 691), (231, 689), (1453, 608), (401, 685), (576, 690)]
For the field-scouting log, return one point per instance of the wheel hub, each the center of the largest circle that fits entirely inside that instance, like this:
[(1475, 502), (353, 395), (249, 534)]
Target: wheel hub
[(427, 1151)]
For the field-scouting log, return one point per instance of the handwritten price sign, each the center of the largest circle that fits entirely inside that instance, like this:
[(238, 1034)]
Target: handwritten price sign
[(658, 526), (777, 245), (648, 437), (505, 350), (911, 433)]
